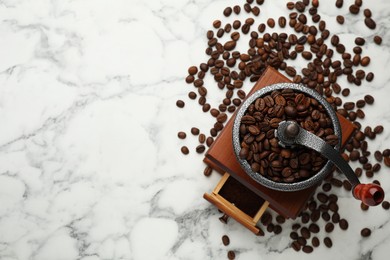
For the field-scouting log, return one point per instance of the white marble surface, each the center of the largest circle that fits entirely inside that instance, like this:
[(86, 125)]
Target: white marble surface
[(90, 166)]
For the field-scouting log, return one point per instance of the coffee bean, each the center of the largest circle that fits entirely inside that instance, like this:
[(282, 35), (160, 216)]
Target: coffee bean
[(343, 224), (340, 19), (282, 22), (329, 227), (290, 5), (209, 141), (378, 156), (271, 22), (202, 138), (365, 232), (325, 216), (386, 205), (369, 99), (200, 148), (256, 11), (296, 246), (302, 241), (217, 24), (386, 152), (207, 171), (277, 229), (315, 241), (328, 242), (367, 13), (230, 45), (180, 103), (236, 24), (377, 39), (363, 206), (339, 3), (307, 249), (280, 219), (305, 232), (294, 235), (225, 240), (326, 187), (354, 9), (247, 7), (378, 129), (370, 23), (365, 61), (231, 255), (194, 131), (345, 92), (228, 11), (181, 135), (347, 185), (221, 118), (184, 150), (314, 228)]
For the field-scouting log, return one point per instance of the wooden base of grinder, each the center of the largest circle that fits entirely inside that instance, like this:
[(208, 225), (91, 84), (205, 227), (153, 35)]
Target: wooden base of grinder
[(221, 157)]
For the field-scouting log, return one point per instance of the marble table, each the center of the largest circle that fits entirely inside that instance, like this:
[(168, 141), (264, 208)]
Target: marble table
[(90, 165)]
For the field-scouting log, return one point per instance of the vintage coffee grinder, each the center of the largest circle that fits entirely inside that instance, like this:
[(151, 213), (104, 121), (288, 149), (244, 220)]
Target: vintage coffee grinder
[(241, 186)]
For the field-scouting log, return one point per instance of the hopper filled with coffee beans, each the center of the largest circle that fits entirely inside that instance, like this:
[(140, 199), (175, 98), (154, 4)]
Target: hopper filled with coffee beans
[(287, 137)]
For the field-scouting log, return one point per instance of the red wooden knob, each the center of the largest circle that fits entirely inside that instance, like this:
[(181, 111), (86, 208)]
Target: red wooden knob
[(370, 194)]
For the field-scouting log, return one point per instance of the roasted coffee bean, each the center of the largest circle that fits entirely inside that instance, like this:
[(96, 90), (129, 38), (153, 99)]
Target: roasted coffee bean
[(314, 228), (209, 141), (230, 45), (339, 3), (282, 22), (221, 118), (296, 246), (354, 9), (345, 92), (328, 242), (302, 241), (378, 129), (322, 197), (236, 24), (200, 148), (370, 23), (194, 131), (228, 11), (207, 171), (378, 156), (256, 11), (184, 150), (192, 70), (347, 185), (378, 39), (365, 232), (365, 61), (290, 5), (386, 152), (231, 255), (307, 249), (305, 232), (335, 217), (192, 95), (277, 229), (181, 135), (315, 242), (180, 103), (386, 205), (280, 219), (329, 227), (202, 138), (363, 206), (271, 22), (340, 19), (217, 24), (343, 224), (369, 99), (325, 216), (326, 187), (225, 240)]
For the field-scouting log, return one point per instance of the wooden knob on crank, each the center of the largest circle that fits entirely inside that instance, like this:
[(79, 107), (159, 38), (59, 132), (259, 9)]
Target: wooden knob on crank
[(370, 194)]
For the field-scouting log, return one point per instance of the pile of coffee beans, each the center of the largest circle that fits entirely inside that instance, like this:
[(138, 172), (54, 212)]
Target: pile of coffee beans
[(260, 147), (327, 60)]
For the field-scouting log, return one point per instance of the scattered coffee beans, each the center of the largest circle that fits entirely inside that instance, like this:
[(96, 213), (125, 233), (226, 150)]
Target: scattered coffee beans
[(365, 232), (225, 240)]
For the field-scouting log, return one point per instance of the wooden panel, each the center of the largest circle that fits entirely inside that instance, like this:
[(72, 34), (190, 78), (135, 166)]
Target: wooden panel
[(221, 156)]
